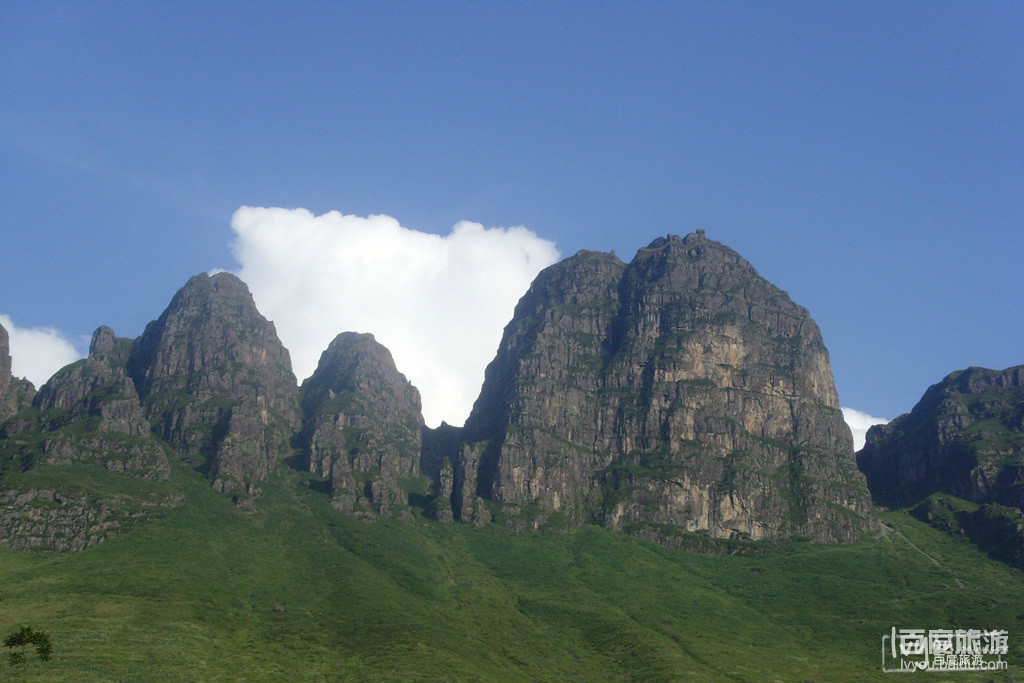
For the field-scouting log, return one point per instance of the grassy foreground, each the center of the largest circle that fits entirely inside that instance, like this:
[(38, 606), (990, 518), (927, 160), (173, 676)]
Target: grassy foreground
[(299, 592)]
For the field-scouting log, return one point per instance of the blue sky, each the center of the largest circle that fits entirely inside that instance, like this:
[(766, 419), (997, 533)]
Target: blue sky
[(868, 158)]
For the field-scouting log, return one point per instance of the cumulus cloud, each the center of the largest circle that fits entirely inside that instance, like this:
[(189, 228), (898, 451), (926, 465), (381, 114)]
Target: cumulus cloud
[(859, 423), (38, 352), (438, 303)]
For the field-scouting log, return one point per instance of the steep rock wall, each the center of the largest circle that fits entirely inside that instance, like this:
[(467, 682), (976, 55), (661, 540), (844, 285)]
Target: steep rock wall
[(679, 393)]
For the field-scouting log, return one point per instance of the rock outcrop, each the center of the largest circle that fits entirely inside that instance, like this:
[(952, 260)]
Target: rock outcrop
[(215, 380), (961, 450), (69, 521), (679, 393), (209, 378), (15, 393), (965, 437), (98, 386), (362, 426), (89, 413)]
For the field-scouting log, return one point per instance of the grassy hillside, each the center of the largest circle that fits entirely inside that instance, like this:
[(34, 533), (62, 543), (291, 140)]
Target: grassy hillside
[(298, 592)]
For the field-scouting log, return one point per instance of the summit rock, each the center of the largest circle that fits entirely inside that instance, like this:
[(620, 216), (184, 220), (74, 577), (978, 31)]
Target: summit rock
[(965, 437), (89, 412)]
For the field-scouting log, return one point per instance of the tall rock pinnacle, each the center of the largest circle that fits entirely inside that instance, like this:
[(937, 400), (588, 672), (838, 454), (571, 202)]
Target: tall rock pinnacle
[(15, 393)]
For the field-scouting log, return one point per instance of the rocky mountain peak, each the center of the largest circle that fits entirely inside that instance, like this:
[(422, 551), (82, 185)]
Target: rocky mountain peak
[(680, 394), (965, 437), (89, 412), (355, 359), (975, 380), (692, 239), (215, 380), (88, 387), (681, 391), (103, 342), (362, 425), (963, 440)]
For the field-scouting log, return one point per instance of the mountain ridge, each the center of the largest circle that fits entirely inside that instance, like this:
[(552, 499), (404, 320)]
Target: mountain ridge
[(216, 521), (677, 397)]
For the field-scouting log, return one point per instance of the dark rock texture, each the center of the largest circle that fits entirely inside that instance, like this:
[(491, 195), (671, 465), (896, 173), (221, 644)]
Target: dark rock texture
[(362, 425), (15, 393), (965, 437), (209, 378), (453, 465), (214, 379), (679, 393)]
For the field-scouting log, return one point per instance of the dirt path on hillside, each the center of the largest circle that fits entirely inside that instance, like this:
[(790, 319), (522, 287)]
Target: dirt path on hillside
[(886, 530)]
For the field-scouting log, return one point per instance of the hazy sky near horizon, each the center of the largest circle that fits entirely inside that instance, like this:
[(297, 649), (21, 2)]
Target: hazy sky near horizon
[(868, 158)]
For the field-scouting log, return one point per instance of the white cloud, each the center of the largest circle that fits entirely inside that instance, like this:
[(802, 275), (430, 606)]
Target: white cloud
[(859, 423), (439, 304), (38, 352)]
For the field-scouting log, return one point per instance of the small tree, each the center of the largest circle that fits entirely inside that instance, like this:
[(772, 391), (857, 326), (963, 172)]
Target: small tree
[(24, 637)]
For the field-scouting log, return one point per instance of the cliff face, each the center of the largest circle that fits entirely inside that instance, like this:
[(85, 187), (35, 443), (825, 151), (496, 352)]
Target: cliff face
[(98, 386), (679, 393), (960, 452), (965, 437), (542, 427), (90, 413), (214, 379), (15, 393), (362, 425)]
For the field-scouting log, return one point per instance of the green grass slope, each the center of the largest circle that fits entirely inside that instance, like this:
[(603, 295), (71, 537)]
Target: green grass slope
[(299, 592)]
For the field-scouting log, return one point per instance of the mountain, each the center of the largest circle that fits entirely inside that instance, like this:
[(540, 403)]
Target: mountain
[(679, 393), (962, 448), (215, 521), (362, 426), (964, 437), (209, 380), (86, 420), (215, 380), (680, 398)]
